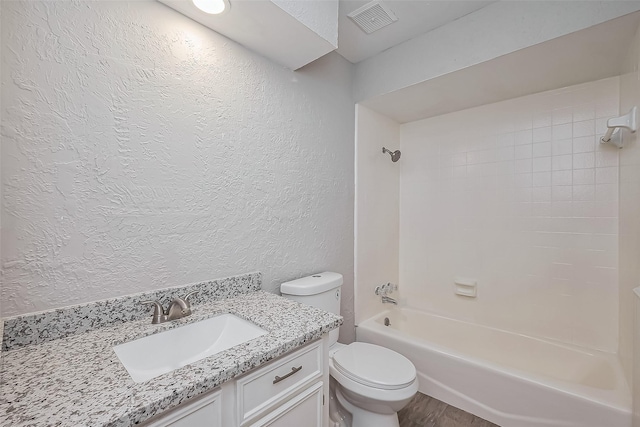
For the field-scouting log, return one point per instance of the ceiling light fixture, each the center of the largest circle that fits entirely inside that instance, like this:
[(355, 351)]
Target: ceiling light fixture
[(213, 7)]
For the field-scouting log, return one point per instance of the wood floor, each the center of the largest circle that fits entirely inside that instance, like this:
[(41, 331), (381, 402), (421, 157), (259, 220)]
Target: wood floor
[(425, 411)]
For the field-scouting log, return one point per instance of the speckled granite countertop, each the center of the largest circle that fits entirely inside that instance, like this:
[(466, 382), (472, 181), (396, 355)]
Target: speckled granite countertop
[(79, 381)]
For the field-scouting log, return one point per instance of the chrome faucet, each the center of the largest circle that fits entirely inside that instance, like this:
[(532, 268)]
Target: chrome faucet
[(383, 292), (178, 308)]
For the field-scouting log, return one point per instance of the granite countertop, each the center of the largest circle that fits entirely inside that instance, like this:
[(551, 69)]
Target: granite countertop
[(79, 380)]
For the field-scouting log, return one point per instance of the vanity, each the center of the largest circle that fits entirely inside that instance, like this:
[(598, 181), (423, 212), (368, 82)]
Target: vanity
[(289, 391), (61, 367)]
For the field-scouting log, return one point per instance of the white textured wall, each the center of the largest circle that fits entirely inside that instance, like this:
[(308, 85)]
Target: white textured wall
[(377, 214), (1, 276), (142, 150), (495, 30), (520, 196), (629, 223)]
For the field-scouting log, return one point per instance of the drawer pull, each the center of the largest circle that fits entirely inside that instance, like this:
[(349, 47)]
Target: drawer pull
[(293, 371)]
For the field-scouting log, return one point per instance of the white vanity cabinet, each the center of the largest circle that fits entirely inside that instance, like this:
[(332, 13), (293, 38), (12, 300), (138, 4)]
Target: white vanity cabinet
[(205, 411), (289, 391), (305, 409)]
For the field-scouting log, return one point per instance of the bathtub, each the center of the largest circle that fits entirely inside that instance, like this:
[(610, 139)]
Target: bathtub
[(509, 379)]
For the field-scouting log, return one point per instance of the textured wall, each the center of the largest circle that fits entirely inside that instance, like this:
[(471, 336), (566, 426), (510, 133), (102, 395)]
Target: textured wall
[(142, 150), (1, 278), (522, 197)]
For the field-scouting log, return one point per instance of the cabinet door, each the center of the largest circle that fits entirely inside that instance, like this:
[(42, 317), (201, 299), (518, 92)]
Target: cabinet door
[(203, 412), (303, 410)]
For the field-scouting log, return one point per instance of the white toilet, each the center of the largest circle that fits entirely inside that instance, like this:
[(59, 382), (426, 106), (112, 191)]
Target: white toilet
[(371, 382)]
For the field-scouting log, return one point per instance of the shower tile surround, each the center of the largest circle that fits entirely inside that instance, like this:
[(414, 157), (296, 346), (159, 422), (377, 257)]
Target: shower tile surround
[(78, 380), (521, 196)]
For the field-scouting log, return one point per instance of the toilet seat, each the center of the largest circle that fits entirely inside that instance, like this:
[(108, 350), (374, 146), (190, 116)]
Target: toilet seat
[(376, 394), (374, 366), (355, 385)]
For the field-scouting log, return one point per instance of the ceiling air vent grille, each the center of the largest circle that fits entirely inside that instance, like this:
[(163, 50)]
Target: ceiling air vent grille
[(372, 17)]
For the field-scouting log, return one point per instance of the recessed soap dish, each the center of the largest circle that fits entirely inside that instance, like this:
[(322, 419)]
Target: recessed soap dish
[(466, 287)]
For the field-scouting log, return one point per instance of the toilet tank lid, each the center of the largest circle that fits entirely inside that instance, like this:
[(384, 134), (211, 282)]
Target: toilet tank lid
[(312, 285)]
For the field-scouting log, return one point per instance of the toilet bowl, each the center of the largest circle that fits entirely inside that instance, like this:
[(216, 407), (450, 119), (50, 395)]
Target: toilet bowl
[(370, 383)]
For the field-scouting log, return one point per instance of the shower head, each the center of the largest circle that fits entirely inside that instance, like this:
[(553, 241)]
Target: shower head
[(395, 155)]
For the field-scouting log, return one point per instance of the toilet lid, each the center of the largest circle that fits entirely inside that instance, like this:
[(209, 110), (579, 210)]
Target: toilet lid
[(374, 366)]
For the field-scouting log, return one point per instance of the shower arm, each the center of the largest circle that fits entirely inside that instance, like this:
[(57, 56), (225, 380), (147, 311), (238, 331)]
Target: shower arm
[(395, 155)]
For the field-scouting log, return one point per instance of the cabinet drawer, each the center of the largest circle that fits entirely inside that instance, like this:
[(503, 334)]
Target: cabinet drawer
[(275, 382), (304, 410)]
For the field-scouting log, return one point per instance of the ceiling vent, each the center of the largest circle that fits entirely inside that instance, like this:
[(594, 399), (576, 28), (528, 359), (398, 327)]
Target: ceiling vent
[(372, 17)]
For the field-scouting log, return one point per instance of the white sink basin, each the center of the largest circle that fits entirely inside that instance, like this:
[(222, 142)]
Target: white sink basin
[(157, 354)]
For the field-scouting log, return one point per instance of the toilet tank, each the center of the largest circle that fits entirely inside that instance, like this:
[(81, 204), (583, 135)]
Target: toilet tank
[(320, 290)]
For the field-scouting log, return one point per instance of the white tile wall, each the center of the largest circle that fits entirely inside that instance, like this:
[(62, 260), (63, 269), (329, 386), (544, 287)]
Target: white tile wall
[(521, 196)]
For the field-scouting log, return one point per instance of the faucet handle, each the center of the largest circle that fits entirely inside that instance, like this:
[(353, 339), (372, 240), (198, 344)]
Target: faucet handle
[(389, 287), (159, 315), (386, 289), (187, 296)]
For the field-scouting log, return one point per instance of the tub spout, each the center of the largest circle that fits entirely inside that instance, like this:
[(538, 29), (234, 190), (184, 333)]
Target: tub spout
[(388, 300)]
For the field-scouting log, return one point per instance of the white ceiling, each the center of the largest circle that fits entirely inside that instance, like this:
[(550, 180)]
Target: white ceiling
[(415, 17), (587, 55)]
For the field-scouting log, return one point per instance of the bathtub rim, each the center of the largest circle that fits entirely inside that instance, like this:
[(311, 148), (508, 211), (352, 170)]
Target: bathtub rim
[(618, 398)]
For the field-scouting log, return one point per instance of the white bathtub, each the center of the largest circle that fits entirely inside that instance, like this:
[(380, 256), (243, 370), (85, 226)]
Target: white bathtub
[(509, 379)]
